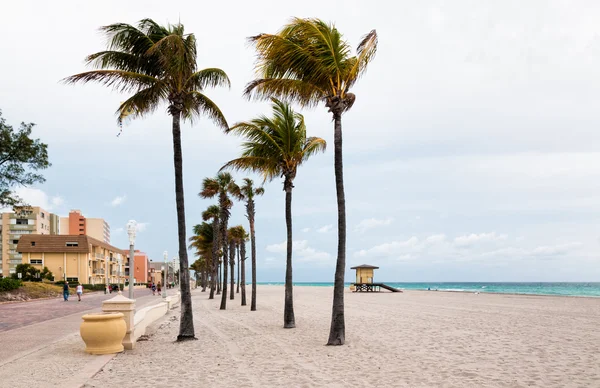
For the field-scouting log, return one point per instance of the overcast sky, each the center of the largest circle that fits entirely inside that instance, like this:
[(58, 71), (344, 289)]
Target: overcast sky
[(472, 152)]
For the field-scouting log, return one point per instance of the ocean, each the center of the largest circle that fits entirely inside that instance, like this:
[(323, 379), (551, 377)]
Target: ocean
[(556, 288)]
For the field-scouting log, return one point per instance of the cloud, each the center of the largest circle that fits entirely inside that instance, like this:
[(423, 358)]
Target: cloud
[(436, 239), (301, 250), (370, 223), (394, 248), (37, 197), (118, 200), (325, 229), (556, 250), (472, 239), (141, 226), (306, 230)]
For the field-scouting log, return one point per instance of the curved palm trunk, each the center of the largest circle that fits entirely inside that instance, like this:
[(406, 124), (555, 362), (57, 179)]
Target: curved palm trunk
[(243, 265), (202, 280), (337, 331), (215, 262), (237, 288), (232, 265), (289, 320), (250, 209), (186, 323), (219, 278), (224, 287)]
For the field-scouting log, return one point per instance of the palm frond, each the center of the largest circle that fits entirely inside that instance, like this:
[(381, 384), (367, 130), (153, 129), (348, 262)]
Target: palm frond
[(206, 78), (119, 80), (292, 90), (197, 104), (366, 51), (143, 102)]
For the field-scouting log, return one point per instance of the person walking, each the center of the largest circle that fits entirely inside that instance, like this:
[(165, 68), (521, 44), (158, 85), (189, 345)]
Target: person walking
[(153, 288), (158, 288), (79, 291), (66, 291)]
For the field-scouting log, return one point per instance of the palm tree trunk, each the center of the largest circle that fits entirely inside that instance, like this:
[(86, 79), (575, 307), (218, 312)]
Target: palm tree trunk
[(337, 331), (186, 323), (253, 248), (237, 288), (289, 320), (224, 287), (232, 265), (243, 265), (219, 278), (215, 262)]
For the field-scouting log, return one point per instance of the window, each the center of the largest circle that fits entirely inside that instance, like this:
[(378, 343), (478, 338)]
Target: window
[(15, 241), (72, 244), (35, 261), (22, 221), (42, 215), (73, 280), (33, 244)]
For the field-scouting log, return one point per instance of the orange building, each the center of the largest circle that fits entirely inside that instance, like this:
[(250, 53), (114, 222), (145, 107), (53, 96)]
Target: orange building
[(77, 224), (141, 272)]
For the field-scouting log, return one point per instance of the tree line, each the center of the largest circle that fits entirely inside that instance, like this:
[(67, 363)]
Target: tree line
[(307, 62)]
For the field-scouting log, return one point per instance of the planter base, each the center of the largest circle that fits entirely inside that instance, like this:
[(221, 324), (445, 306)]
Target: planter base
[(103, 333)]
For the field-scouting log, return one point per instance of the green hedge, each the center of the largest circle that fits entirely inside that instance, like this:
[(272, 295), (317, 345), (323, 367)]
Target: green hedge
[(8, 284), (94, 287)]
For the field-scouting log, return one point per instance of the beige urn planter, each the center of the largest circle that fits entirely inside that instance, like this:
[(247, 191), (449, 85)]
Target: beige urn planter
[(103, 332)]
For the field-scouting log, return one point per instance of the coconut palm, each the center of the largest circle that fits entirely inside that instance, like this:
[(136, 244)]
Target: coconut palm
[(241, 237), (221, 186), (212, 214), (158, 65), (232, 239), (202, 242), (275, 147), (309, 62), (247, 193)]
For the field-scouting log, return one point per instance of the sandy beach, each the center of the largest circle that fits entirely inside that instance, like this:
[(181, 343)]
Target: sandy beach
[(413, 339)]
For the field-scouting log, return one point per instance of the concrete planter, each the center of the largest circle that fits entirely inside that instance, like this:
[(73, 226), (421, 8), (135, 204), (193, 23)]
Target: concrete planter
[(103, 332)]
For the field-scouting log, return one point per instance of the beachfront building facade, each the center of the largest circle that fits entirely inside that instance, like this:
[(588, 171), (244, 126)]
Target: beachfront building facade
[(77, 224), (76, 258), (141, 272), (23, 221)]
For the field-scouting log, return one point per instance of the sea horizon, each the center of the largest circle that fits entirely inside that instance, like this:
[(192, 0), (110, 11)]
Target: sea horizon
[(580, 289)]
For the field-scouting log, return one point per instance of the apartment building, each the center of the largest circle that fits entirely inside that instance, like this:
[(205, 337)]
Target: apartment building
[(76, 258), (142, 271), (25, 220), (77, 224)]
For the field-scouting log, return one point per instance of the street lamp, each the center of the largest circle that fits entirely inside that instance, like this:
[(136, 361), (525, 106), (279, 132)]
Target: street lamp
[(173, 261), (107, 269), (131, 226), (119, 276), (166, 269)]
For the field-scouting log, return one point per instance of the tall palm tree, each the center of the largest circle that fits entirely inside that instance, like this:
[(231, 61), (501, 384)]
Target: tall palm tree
[(212, 214), (202, 242), (158, 65), (275, 147), (221, 186), (247, 193), (232, 238), (242, 237), (309, 62)]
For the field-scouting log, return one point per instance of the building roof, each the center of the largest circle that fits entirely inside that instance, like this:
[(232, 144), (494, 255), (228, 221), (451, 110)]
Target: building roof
[(366, 266), (57, 243)]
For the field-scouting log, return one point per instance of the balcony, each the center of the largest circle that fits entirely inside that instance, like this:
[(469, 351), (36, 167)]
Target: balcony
[(22, 227), (99, 272), (14, 216), (15, 255), (99, 256)]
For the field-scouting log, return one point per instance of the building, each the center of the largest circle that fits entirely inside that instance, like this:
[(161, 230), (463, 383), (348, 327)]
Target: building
[(76, 258), (77, 224), (141, 273), (25, 220), (157, 268)]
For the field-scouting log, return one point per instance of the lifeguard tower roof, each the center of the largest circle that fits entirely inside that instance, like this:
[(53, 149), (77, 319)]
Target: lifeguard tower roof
[(365, 266)]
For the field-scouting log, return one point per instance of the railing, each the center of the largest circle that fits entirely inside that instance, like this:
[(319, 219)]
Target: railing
[(98, 272), (99, 256), (22, 227), (16, 256)]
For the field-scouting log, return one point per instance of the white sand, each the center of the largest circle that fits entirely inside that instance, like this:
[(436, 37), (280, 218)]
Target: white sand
[(413, 339)]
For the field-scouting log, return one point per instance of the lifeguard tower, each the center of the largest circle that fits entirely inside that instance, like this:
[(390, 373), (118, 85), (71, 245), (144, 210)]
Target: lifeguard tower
[(364, 280)]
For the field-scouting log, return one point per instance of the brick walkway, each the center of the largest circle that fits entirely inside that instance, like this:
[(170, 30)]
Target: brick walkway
[(15, 315)]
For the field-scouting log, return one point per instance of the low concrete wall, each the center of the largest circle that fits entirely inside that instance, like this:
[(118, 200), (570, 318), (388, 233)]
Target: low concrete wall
[(148, 315)]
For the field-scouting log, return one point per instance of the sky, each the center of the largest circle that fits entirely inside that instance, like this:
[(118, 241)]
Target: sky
[(472, 152)]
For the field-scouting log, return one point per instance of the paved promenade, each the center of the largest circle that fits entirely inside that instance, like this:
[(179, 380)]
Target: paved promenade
[(45, 333)]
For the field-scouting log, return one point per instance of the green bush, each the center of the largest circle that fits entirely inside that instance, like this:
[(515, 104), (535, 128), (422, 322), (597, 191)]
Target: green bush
[(28, 273), (61, 282), (8, 284), (94, 287)]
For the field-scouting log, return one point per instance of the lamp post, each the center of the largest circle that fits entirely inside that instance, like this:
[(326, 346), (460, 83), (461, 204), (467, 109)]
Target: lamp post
[(107, 269), (131, 232), (166, 268), (119, 276)]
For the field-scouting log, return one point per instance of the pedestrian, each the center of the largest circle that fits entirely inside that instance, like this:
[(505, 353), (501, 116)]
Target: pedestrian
[(79, 291), (66, 291), (153, 288), (158, 288)]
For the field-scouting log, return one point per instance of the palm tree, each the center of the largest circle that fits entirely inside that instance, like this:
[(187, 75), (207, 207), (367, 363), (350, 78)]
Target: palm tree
[(212, 213), (247, 193), (275, 147), (309, 62), (241, 238), (221, 186), (158, 65), (232, 239), (202, 242)]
